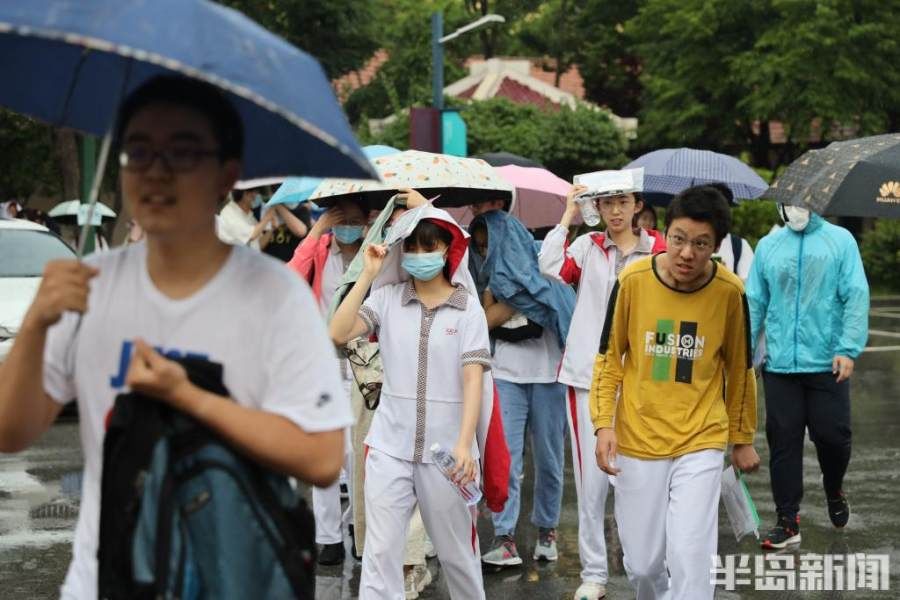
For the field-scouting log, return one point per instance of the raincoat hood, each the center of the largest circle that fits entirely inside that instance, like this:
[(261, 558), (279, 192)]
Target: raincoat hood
[(457, 254)]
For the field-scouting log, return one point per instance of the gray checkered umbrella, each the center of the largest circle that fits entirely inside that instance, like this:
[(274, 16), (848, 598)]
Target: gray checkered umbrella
[(854, 178)]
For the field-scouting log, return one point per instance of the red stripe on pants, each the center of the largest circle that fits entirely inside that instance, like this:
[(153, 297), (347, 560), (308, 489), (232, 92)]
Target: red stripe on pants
[(573, 409)]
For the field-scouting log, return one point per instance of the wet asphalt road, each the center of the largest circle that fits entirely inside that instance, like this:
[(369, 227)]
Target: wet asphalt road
[(38, 504)]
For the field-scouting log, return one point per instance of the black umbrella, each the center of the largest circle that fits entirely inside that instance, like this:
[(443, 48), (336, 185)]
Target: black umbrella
[(501, 159), (854, 178)]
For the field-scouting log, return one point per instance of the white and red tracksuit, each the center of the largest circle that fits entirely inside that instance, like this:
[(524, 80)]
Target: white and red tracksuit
[(590, 262)]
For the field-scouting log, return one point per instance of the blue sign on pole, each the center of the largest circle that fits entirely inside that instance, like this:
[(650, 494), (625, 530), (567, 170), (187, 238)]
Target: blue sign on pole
[(453, 130)]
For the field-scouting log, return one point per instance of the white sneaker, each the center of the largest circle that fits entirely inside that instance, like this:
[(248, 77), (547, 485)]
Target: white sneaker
[(417, 579), (429, 547), (590, 590), (503, 553), (545, 547)]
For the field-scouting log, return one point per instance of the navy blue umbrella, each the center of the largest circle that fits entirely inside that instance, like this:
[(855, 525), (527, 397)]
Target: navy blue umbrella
[(672, 170), (71, 64)]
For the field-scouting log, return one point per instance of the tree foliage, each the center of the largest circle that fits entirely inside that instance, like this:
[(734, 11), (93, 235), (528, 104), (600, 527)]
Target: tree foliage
[(27, 156), (405, 79), (566, 141), (715, 69), (880, 250), (498, 40), (591, 35), (753, 219), (341, 34), (702, 73), (834, 61), (690, 93)]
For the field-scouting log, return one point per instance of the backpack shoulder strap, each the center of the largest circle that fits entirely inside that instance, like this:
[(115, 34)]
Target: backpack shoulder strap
[(737, 246)]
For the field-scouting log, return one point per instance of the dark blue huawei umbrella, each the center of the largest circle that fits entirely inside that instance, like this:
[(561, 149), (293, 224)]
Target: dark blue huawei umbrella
[(672, 170), (71, 63)]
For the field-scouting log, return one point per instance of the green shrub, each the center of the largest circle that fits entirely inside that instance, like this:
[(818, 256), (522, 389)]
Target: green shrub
[(566, 141), (752, 219), (880, 250)]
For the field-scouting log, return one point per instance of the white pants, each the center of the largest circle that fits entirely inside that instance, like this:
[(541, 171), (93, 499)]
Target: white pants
[(591, 485), (667, 511), (415, 541), (331, 521), (393, 487)]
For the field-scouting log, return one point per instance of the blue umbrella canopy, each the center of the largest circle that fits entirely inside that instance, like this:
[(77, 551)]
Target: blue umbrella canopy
[(293, 190), (71, 64), (299, 189), (672, 170)]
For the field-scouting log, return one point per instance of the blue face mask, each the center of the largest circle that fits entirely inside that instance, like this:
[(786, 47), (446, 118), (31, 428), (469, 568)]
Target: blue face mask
[(348, 234), (423, 266), (257, 201)]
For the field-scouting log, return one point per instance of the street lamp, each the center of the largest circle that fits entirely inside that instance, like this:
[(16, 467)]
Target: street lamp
[(437, 50)]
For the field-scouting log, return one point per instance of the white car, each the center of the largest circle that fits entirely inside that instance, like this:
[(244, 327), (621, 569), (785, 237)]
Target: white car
[(25, 248)]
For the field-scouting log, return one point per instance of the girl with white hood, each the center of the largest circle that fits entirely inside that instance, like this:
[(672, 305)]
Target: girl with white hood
[(422, 301)]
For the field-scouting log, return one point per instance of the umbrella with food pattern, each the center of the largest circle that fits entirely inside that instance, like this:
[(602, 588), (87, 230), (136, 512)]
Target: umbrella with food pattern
[(457, 181)]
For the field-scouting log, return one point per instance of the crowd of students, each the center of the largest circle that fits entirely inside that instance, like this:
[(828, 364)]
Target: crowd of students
[(634, 339)]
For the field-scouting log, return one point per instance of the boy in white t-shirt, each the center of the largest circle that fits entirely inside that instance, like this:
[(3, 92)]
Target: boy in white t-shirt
[(113, 322)]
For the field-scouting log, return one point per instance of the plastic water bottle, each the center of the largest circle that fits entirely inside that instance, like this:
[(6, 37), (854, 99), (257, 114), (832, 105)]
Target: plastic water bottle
[(589, 213), (444, 461)]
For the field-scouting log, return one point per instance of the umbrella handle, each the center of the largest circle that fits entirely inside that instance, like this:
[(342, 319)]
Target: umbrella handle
[(95, 191), (101, 170)]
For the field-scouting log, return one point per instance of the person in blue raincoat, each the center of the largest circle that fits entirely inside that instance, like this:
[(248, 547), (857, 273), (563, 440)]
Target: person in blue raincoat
[(809, 297)]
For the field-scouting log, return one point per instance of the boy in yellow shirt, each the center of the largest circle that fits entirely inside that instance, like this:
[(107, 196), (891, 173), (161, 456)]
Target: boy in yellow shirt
[(673, 386)]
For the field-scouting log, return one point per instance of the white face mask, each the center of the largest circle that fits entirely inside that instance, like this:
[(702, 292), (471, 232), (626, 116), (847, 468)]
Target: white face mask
[(795, 217)]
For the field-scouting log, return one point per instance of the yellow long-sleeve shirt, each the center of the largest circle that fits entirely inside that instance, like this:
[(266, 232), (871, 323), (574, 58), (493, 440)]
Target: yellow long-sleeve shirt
[(683, 362)]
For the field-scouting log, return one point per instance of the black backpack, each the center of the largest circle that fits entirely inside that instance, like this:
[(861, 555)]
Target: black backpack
[(182, 515), (737, 248)]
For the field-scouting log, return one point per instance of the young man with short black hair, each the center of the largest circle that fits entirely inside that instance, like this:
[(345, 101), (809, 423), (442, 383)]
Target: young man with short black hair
[(674, 345), (116, 320)]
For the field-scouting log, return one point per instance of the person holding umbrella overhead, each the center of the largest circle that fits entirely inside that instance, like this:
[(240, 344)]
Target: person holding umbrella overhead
[(321, 260), (809, 296), (97, 327), (593, 262)]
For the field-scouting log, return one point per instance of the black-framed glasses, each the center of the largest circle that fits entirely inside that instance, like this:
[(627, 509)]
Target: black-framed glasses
[(679, 241), (178, 159)]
